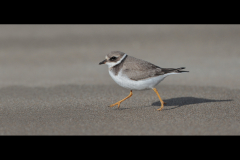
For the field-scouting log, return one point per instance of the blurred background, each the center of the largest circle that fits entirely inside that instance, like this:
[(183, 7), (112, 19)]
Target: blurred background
[(49, 55)]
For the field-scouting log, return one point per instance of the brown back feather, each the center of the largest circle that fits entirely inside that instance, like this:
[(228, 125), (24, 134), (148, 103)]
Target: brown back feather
[(137, 69)]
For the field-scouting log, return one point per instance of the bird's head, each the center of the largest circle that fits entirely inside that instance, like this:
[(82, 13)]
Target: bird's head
[(113, 58)]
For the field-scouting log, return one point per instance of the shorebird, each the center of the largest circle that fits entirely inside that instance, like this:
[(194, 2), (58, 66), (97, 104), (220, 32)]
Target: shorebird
[(136, 74)]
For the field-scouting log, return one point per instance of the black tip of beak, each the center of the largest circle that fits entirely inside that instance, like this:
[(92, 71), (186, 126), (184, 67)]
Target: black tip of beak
[(103, 62)]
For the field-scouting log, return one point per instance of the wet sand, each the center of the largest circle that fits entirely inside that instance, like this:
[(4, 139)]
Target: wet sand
[(51, 83)]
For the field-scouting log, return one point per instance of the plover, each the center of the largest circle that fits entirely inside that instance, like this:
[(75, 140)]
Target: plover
[(136, 74)]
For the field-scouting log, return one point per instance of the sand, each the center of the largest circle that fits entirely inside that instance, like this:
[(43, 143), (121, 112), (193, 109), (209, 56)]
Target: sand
[(51, 83)]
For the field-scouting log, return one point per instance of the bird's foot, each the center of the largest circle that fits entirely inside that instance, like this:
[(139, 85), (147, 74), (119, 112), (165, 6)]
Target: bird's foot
[(160, 108), (118, 103)]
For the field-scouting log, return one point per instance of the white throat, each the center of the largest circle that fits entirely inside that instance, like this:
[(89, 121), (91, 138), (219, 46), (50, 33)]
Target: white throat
[(111, 64)]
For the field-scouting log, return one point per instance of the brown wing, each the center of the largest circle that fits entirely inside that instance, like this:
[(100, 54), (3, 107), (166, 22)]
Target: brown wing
[(137, 69)]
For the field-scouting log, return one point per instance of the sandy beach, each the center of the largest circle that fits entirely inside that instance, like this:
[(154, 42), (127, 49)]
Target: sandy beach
[(51, 83)]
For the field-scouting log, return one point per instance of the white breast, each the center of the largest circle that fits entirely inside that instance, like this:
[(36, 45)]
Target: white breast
[(125, 82)]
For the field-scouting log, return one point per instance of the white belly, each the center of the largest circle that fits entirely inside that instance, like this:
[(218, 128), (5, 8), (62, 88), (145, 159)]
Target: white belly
[(125, 82)]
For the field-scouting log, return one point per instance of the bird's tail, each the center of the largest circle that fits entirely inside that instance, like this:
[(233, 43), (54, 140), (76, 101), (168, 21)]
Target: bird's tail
[(173, 70), (179, 70)]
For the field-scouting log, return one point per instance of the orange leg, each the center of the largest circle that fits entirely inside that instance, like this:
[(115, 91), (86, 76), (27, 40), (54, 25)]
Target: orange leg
[(162, 103), (119, 102)]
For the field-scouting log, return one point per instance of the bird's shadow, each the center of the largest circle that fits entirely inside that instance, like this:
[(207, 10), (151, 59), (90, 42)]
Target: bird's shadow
[(183, 101)]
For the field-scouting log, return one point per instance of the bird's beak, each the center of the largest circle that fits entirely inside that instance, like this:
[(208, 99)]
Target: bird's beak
[(103, 62)]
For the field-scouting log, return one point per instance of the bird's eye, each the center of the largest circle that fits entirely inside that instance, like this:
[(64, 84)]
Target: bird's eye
[(113, 58)]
